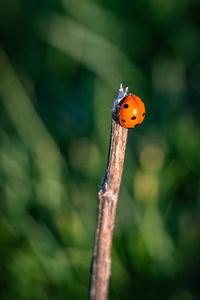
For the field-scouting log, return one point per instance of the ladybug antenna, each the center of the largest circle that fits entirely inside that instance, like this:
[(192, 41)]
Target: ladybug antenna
[(121, 90)]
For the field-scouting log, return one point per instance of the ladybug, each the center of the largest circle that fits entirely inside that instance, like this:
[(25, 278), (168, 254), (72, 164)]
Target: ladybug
[(132, 112)]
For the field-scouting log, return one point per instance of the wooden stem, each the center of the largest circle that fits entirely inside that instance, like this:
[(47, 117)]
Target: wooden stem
[(108, 196)]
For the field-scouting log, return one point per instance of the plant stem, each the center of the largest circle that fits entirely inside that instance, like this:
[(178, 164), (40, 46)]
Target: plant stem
[(108, 196)]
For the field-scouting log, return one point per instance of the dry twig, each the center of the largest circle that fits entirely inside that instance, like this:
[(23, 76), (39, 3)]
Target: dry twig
[(108, 196)]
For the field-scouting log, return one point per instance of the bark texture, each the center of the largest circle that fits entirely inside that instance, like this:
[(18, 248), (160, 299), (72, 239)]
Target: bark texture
[(108, 196)]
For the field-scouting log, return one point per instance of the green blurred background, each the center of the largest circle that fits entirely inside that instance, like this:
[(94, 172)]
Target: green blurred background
[(61, 63)]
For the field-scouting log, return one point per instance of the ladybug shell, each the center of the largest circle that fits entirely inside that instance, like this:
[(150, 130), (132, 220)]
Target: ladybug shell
[(132, 112)]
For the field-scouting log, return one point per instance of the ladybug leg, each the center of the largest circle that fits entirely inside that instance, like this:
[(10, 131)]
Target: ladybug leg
[(117, 103)]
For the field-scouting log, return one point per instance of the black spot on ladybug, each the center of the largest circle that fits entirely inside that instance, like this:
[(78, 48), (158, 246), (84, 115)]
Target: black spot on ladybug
[(125, 105), (133, 118), (143, 114), (123, 120)]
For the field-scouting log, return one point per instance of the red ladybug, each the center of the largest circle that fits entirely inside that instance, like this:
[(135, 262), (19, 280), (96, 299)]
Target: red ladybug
[(132, 112)]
